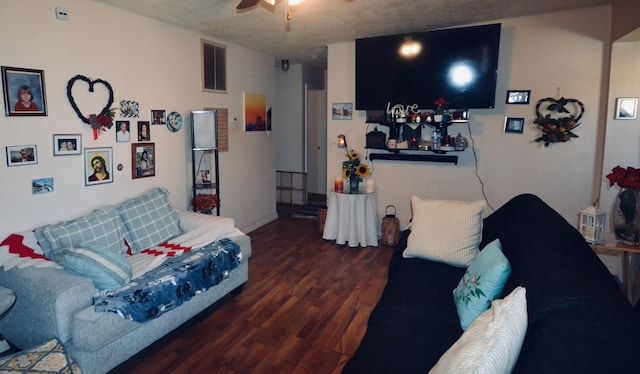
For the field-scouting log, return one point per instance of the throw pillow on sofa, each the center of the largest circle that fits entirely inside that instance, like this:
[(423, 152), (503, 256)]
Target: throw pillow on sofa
[(493, 341), (107, 270), (481, 283), (445, 231), (149, 220), (102, 227)]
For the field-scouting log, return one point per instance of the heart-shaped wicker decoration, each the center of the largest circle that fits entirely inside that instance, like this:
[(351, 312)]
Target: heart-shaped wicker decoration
[(557, 118), (91, 84)]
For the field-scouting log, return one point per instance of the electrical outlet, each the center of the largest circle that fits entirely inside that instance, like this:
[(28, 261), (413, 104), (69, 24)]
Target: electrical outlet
[(62, 14)]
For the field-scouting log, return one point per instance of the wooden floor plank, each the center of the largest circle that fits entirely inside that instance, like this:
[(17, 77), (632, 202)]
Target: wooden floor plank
[(304, 309)]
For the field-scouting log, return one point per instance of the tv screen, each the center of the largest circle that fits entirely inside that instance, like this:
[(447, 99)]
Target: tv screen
[(460, 65)]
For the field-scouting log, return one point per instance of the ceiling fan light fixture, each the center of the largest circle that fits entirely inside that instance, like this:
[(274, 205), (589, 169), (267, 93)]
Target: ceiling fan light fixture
[(284, 64)]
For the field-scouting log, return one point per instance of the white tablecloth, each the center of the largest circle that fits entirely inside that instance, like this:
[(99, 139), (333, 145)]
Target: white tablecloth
[(352, 219)]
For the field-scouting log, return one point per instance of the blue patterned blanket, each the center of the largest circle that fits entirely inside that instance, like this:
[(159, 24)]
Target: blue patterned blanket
[(172, 283)]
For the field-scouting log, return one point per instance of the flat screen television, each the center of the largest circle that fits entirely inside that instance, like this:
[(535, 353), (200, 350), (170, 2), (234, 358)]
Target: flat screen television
[(460, 65)]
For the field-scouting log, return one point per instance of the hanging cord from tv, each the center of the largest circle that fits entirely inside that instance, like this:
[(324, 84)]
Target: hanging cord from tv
[(475, 157), (195, 176)]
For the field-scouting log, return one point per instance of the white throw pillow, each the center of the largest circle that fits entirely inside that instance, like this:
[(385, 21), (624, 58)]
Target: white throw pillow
[(492, 342), (445, 231)]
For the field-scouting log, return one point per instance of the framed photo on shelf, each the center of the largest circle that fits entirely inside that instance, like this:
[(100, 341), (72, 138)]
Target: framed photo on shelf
[(24, 92), (67, 144), (518, 96), (18, 155), (626, 107), (98, 166), (143, 160), (514, 124)]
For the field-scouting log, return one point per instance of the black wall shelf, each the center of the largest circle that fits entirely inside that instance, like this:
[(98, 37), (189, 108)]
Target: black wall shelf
[(413, 157)]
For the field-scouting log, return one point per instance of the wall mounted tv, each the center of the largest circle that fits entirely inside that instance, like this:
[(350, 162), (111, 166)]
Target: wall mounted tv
[(460, 65)]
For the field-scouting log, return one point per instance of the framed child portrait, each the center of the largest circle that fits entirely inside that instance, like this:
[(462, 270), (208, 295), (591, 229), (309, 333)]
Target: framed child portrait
[(24, 92), (98, 166)]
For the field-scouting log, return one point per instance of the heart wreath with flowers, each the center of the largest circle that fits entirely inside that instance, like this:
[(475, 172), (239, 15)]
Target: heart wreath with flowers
[(557, 119), (102, 121)]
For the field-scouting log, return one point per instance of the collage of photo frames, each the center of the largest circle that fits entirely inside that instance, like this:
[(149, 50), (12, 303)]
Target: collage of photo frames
[(25, 95)]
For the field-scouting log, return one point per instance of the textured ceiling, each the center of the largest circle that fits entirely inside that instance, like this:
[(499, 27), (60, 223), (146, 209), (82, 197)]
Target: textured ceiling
[(317, 23)]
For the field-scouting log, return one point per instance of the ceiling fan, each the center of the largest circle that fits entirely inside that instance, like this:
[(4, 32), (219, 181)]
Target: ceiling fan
[(247, 4)]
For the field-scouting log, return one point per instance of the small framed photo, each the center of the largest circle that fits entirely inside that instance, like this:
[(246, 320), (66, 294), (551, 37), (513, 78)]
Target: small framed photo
[(123, 132), (341, 111), (98, 164), (24, 92), (626, 107), (143, 160), (144, 131), (514, 124), (42, 185), (158, 117), (67, 144), (518, 96), (18, 155)]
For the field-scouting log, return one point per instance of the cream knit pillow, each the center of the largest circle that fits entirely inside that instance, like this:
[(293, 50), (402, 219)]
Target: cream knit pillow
[(445, 231)]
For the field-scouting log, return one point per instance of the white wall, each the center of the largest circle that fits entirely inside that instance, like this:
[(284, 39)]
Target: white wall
[(623, 136), (151, 62), (553, 55)]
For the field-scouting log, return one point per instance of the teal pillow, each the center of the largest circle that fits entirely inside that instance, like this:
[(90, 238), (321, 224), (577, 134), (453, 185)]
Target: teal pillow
[(108, 270), (149, 220), (482, 283), (102, 227)]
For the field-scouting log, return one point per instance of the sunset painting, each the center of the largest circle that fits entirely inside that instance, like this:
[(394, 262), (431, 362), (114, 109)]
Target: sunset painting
[(255, 112)]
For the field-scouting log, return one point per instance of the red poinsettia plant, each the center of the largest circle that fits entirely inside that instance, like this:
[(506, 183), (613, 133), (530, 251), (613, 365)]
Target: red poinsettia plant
[(442, 105), (624, 178)]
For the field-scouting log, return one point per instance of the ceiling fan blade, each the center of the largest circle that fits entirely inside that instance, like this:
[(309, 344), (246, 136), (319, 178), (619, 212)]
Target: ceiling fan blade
[(246, 4)]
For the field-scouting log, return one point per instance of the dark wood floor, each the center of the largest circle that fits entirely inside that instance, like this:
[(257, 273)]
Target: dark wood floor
[(303, 310)]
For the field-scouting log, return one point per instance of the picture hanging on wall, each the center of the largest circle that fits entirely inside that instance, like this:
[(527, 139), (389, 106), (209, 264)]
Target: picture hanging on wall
[(158, 117), (123, 131), (24, 92), (143, 160), (518, 96), (255, 112), (98, 165), (514, 124), (67, 144), (144, 131), (626, 107), (18, 155), (129, 109), (42, 185), (340, 111)]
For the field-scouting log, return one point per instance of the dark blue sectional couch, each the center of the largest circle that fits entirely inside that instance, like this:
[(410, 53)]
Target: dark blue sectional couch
[(578, 319)]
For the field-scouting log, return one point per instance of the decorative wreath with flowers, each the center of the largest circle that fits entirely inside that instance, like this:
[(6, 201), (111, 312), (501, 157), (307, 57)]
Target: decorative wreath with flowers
[(557, 118), (99, 122)]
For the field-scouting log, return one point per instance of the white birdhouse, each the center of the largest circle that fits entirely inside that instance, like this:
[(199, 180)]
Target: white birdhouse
[(592, 221)]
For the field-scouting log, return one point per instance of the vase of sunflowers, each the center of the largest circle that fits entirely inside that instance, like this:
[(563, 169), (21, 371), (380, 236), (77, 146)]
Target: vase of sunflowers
[(354, 170)]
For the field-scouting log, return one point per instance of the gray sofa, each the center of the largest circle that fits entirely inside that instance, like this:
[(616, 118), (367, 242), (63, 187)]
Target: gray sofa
[(54, 303)]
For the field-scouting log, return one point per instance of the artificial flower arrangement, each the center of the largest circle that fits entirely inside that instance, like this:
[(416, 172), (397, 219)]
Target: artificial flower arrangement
[(624, 178), (354, 168), (554, 129), (442, 106), (204, 202), (625, 219), (101, 122)]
